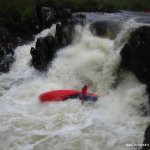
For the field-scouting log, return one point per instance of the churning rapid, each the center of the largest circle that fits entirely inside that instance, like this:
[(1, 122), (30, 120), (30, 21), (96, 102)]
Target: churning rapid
[(116, 119)]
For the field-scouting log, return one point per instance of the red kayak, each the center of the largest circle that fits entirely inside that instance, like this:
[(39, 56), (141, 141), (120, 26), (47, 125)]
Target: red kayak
[(62, 95)]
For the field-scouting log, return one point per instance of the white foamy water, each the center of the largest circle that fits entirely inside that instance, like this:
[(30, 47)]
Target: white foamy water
[(115, 120)]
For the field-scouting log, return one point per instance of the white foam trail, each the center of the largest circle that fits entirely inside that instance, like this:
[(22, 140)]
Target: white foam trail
[(115, 120)]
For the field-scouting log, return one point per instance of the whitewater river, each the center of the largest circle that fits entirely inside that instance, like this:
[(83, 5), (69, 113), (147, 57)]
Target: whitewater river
[(116, 119)]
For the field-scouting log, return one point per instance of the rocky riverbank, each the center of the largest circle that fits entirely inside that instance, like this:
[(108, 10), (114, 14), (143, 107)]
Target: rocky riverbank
[(43, 17)]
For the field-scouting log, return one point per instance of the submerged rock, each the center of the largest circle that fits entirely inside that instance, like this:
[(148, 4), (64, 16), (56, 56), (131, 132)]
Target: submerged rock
[(103, 28)]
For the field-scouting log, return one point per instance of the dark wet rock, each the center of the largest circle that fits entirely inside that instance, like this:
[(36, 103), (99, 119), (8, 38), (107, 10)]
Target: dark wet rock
[(136, 54), (7, 44), (136, 58), (46, 48), (6, 38), (65, 29), (64, 34), (65, 14), (6, 63), (14, 29), (9, 40), (43, 52), (67, 17), (6, 58), (49, 16), (14, 33), (147, 139), (80, 19), (45, 17), (107, 29)]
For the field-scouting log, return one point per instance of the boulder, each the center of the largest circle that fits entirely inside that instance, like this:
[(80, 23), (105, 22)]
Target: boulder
[(49, 16), (136, 54), (43, 52), (136, 58), (64, 34), (65, 29), (45, 48), (105, 28)]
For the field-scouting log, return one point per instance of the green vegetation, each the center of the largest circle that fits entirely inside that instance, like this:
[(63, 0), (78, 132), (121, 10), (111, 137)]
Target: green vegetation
[(20, 10), (14, 10), (8, 6), (93, 4)]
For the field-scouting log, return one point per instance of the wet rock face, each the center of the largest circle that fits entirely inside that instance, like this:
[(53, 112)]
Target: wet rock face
[(107, 29), (49, 16), (43, 52), (46, 48), (14, 34), (65, 29), (136, 57), (136, 54), (64, 34), (146, 138)]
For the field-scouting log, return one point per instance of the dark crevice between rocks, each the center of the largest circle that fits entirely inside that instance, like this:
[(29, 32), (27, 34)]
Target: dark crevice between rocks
[(136, 58)]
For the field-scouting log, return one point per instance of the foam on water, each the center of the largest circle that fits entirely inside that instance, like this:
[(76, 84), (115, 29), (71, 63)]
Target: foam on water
[(115, 120)]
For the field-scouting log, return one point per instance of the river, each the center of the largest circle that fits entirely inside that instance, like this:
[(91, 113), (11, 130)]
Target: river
[(116, 119)]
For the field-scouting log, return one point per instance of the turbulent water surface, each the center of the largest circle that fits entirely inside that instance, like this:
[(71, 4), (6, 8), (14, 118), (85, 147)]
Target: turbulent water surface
[(115, 120)]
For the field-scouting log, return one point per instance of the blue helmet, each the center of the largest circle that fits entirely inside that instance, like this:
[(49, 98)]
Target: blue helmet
[(92, 98)]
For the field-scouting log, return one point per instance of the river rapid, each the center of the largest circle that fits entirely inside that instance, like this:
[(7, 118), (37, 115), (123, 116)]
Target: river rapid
[(116, 119)]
